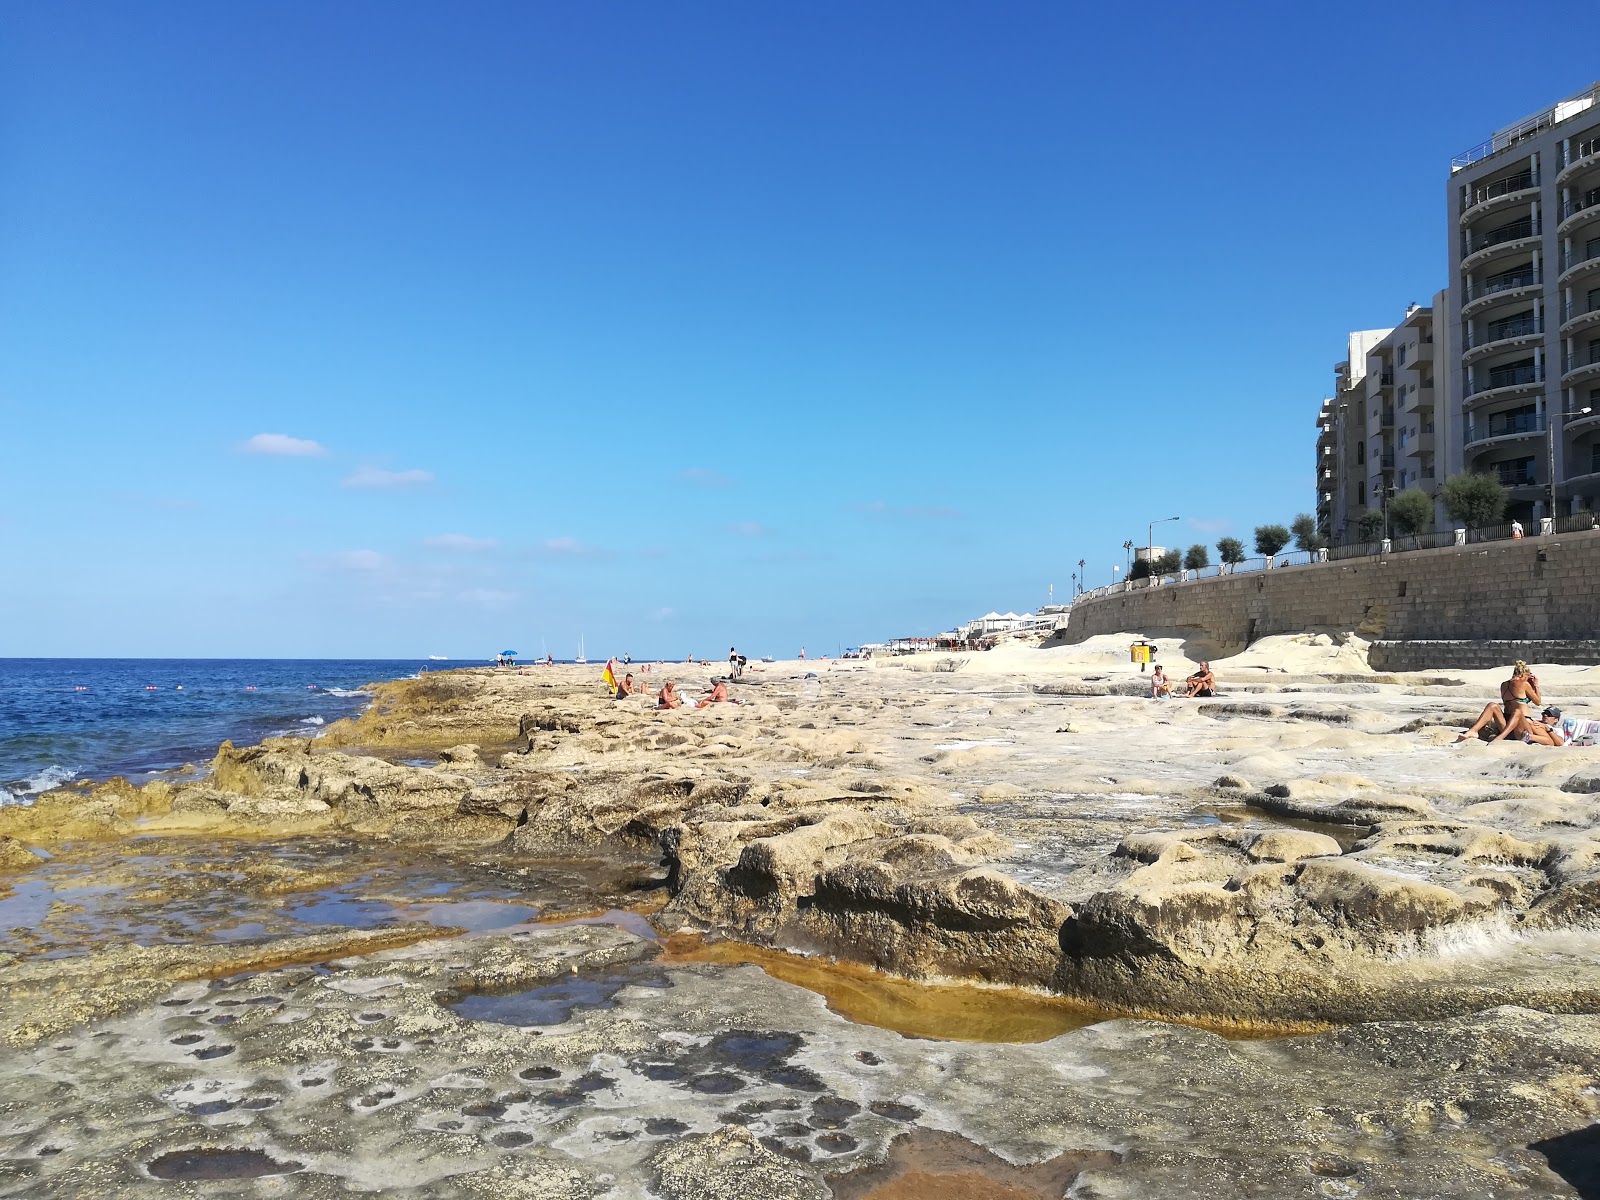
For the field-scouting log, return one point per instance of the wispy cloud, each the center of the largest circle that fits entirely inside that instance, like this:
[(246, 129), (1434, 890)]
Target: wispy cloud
[(358, 560), (569, 547), (704, 477), (283, 445), (463, 542), (749, 529), (1210, 524), (663, 614), (908, 512), (377, 477), (489, 599)]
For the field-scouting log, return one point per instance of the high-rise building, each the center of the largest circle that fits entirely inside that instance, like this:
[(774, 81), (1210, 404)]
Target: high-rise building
[(1523, 307)]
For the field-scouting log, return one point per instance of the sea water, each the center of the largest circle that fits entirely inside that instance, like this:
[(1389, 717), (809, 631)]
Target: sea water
[(66, 718)]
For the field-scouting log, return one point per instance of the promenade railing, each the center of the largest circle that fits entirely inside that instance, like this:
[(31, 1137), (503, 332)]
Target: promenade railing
[(1399, 544)]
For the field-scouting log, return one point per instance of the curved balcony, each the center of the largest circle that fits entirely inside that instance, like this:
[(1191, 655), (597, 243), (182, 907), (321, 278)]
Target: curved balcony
[(1583, 154), (1518, 236), (1502, 335), (1505, 193), (1576, 420), (1578, 263), (1576, 320), (1504, 288), (1507, 385), (1580, 367), (1495, 429), (1578, 212)]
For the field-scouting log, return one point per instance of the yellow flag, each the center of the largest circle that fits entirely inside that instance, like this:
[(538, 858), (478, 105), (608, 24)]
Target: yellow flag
[(610, 679)]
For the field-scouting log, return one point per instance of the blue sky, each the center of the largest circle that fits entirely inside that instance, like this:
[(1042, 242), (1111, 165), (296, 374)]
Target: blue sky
[(684, 325)]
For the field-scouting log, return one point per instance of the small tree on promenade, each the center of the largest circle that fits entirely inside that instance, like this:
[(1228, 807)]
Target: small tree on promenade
[(1369, 526), (1411, 512), (1197, 558), (1230, 551), (1305, 532), (1474, 500), (1270, 539)]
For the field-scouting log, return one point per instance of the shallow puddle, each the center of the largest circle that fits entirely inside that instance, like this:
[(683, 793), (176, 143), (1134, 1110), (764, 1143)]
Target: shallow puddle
[(205, 1163), (554, 1003), (1346, 835)]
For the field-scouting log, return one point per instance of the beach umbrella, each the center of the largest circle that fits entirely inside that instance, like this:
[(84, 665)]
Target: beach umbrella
[(508, 653)]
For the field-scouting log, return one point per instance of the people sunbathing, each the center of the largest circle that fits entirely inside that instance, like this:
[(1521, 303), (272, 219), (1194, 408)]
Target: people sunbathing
[(669, 697), (717, 695), (1519, 696)]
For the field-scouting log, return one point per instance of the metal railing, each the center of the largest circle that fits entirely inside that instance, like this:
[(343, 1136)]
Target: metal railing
[(1511, 135), (1387, 418), (1400, 543), (1505, 426), (1514, 232), (1578, 205), (1571, 309), (1579, 150), (1504, 282), (1573, 257), (1386, 378), (1386, 462), (1580, 358), (1519, 182), (1504, 377), (1500, 331)]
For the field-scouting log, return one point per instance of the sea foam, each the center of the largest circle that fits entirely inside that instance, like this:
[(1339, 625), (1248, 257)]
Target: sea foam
[(22, 791)]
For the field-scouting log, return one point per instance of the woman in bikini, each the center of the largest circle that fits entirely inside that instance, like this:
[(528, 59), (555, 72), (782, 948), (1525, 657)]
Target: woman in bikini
[(1519, 696)]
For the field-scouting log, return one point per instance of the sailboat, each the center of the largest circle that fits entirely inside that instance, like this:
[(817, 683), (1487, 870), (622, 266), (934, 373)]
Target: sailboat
[(580, 658)]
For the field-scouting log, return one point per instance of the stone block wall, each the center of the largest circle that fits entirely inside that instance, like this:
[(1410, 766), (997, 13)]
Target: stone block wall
[(1468, 656), (1535, 589)]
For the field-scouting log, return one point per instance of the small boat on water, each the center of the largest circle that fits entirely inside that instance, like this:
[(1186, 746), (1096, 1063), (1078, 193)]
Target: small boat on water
[(438, 658), (580, 658)]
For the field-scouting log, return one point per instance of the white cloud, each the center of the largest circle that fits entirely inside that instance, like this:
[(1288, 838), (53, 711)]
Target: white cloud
[(1211, 524), (358, 560), (459, 541), (749, 528), (662, 614), (569, 547), (490, 599), (704, 477), (377, 477), (283, 445)]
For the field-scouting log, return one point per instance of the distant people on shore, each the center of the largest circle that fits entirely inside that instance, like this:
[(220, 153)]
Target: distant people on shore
[(736, 662), (1160, 685), (1519, 696)]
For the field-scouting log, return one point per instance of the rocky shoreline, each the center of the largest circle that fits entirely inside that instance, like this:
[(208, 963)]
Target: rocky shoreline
[(1306, 853)]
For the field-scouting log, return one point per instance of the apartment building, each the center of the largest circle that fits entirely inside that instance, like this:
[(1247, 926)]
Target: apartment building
[(1343, 424), (1523, 306)]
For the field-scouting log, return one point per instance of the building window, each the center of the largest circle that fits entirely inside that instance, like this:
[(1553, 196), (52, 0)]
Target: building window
[(1402, 355)]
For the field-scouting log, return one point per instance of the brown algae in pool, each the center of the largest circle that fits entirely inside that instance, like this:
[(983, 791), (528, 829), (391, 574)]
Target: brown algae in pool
[(938, 1012), (931, 1165), (214, 1163), (934, 1011)]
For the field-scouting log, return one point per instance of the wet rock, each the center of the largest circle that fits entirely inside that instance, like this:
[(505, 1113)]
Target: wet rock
[(732, 1164), (14, 856)]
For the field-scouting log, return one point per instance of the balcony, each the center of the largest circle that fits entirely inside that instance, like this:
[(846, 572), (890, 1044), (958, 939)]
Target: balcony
[(1514, 185), (1523, 478), (1386, 419), (1509, 426), (1386, 462), (1579, 314), (1580, 365), (1577, 156), (1503, 334), (1507, 381), (1576, 418), (1574, 210), (1476, 248), (1386, 378), (1504, 286), (1580, 259)]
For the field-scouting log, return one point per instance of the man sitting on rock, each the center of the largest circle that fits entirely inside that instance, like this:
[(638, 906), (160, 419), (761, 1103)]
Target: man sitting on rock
[(717, 695), (1202, 682)]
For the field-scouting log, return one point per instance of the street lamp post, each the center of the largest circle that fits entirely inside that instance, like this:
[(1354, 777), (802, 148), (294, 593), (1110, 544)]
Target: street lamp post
[(1150, 539), (1080, 575)]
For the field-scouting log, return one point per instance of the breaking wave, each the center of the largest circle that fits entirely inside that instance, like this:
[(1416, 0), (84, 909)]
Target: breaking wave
[(22, 791)]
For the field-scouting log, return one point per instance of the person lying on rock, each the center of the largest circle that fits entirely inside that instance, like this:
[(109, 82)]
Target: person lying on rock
[(1552, 729), (717, 695), (1518, 697)]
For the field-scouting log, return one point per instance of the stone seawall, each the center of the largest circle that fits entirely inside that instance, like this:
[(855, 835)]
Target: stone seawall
[(1535, 589), (1469, 656)]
